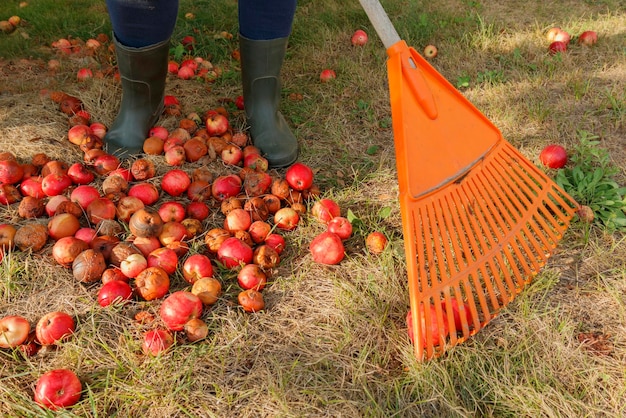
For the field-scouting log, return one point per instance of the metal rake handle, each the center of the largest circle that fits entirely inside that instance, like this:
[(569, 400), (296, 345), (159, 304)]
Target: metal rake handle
[(379, 19)]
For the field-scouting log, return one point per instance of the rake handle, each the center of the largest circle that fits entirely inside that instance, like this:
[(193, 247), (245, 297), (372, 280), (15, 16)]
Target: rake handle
[(379, 19)]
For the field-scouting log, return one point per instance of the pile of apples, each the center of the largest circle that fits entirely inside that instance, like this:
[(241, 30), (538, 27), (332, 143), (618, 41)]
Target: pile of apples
[(559, 39), (132, 235)]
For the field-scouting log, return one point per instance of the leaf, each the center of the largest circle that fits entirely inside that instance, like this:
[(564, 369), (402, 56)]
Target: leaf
[(351, 216), (384, 212), (372, 150)]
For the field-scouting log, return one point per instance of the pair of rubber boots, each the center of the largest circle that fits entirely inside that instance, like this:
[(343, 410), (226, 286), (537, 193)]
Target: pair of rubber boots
[(143, 72)]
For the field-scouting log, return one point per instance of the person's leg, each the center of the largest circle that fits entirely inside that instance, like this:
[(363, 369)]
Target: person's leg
[(264, 29), (141, 33)]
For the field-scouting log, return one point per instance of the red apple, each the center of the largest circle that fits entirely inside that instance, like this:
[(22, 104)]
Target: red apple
[(185, 73), (84, 74), (299, 176), (98, 129), (86, 234), (172, 67), (458, 312), (259, 231), (198, 210), (146, 192), (226, 186), (80, 174), (340, 226), (286, 219), (256, 162), (216, 124), (106, 163), (325, 209), (31, 186), (175, 182), (54, 202), (172, 211), (53, 327), (359, 38), (179, 308), (233, 252), (84, 195), (276, 241), (114, 292), (78, 134), (553, 156), (232, 155), (54, 183), (327, 248), (556, 47), (146, 244), (175, 155), (588, 38), (437, 335), (562, 36), (58, 388), (197, 266), (159, 131), (63, 225), (237, 219), (165, 258), (239, 103), (252, 276), (156, 341), (14, 330), (327, 75)]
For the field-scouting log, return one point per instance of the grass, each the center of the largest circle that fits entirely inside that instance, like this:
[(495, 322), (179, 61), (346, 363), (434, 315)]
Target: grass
[(333, 341)]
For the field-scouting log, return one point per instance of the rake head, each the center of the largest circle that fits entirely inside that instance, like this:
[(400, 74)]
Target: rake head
[(474, 244)]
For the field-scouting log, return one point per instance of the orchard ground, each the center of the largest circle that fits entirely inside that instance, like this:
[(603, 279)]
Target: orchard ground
[(332, 340)]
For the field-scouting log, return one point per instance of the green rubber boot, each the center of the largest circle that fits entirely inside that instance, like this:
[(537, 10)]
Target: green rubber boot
[(142, 72), (261, 62)]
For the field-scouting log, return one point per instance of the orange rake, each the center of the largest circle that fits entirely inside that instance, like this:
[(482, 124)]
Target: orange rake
[(479, 220)]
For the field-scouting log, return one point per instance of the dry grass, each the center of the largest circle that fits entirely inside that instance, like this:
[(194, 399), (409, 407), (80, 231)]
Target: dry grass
[(332, 341)]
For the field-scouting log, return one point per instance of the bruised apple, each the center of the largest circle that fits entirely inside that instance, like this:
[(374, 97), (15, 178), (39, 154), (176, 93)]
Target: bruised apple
[(208, 289)]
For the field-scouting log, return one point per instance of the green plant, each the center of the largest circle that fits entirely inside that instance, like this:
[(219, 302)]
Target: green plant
[(589, 179)]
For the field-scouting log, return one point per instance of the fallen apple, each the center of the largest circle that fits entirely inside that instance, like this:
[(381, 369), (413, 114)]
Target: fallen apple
[(430, 51), (56, 389), (14, 330), (588, 38), (327, 75), (359, 38), (327, 248), (553, 156)]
